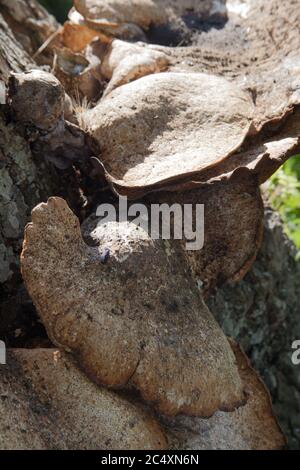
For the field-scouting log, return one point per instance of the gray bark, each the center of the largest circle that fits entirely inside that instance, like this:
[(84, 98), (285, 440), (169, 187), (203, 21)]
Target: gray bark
[(262, 313), (24, 180)]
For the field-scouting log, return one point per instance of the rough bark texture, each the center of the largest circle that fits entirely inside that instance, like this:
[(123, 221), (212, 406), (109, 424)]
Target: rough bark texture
[(24, 182), (262, 314), (12, 55)]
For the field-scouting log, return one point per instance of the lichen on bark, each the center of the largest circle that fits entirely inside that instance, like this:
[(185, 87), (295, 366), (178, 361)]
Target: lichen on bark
[(262, 313)]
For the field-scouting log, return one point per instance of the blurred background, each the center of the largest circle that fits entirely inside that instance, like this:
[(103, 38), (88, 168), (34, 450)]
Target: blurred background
[(283, 188), (59, 8)]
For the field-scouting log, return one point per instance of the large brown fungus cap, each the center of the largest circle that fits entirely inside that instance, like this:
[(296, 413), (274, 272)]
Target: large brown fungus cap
[(48, 403), (250, 427), (166, 125), (142, 362), (148, 13), (137, 320), (233, 224), (37, 98), (244, 62), (121, 11)]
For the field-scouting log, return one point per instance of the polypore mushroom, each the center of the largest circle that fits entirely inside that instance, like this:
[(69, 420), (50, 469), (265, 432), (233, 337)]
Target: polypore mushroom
[(134, 319), (188, 123), (40, 92), (121, 11), (250, 427), (32, 26), (126, 31), (123, 62), (233, 226), (49, 133), (169, 21), (244, 51), (58, 407)]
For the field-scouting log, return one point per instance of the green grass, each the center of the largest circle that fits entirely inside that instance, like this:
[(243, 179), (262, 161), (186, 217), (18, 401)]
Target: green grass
[(58, 8), (284, 191)]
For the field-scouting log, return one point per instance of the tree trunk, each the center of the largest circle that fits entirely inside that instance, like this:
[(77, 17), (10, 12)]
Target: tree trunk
[(261, 312), (24, 180)]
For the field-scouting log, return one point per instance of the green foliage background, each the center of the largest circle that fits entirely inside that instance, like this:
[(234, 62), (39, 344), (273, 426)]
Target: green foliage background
[(59, 8), (284, 187), (284, 191)]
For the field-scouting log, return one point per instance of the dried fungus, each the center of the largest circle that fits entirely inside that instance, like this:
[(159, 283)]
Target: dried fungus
[(166, 125), (59, 408), (122, 62), (121, 11), (241, 47), (40, 92), (233, 225), (50, 135), (250, 427), (137, 320)]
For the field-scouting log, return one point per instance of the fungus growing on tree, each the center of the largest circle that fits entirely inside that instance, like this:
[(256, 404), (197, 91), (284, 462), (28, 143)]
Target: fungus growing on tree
[(206, 123), (189, 122), (249, 427), (137, 320), (58, 407), (60, 141)]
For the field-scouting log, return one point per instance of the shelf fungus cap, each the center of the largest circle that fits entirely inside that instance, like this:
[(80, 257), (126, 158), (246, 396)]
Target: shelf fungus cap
[(141, 13), (233, 226), (60, 408), (123, 62), (189, 122), (36, 98), (129, 311), (250, 427)]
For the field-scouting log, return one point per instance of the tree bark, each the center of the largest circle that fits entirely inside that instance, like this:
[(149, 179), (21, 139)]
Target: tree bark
[(262, 314), (25, 180)]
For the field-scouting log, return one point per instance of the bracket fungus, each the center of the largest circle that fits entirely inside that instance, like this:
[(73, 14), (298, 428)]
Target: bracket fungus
[(233, 225), (202, 124), (189, 122), (60, 141), (164, 20), (244, 50), (120, 11), (59, 408), (123, 62), (136, 321), (250, 427)]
